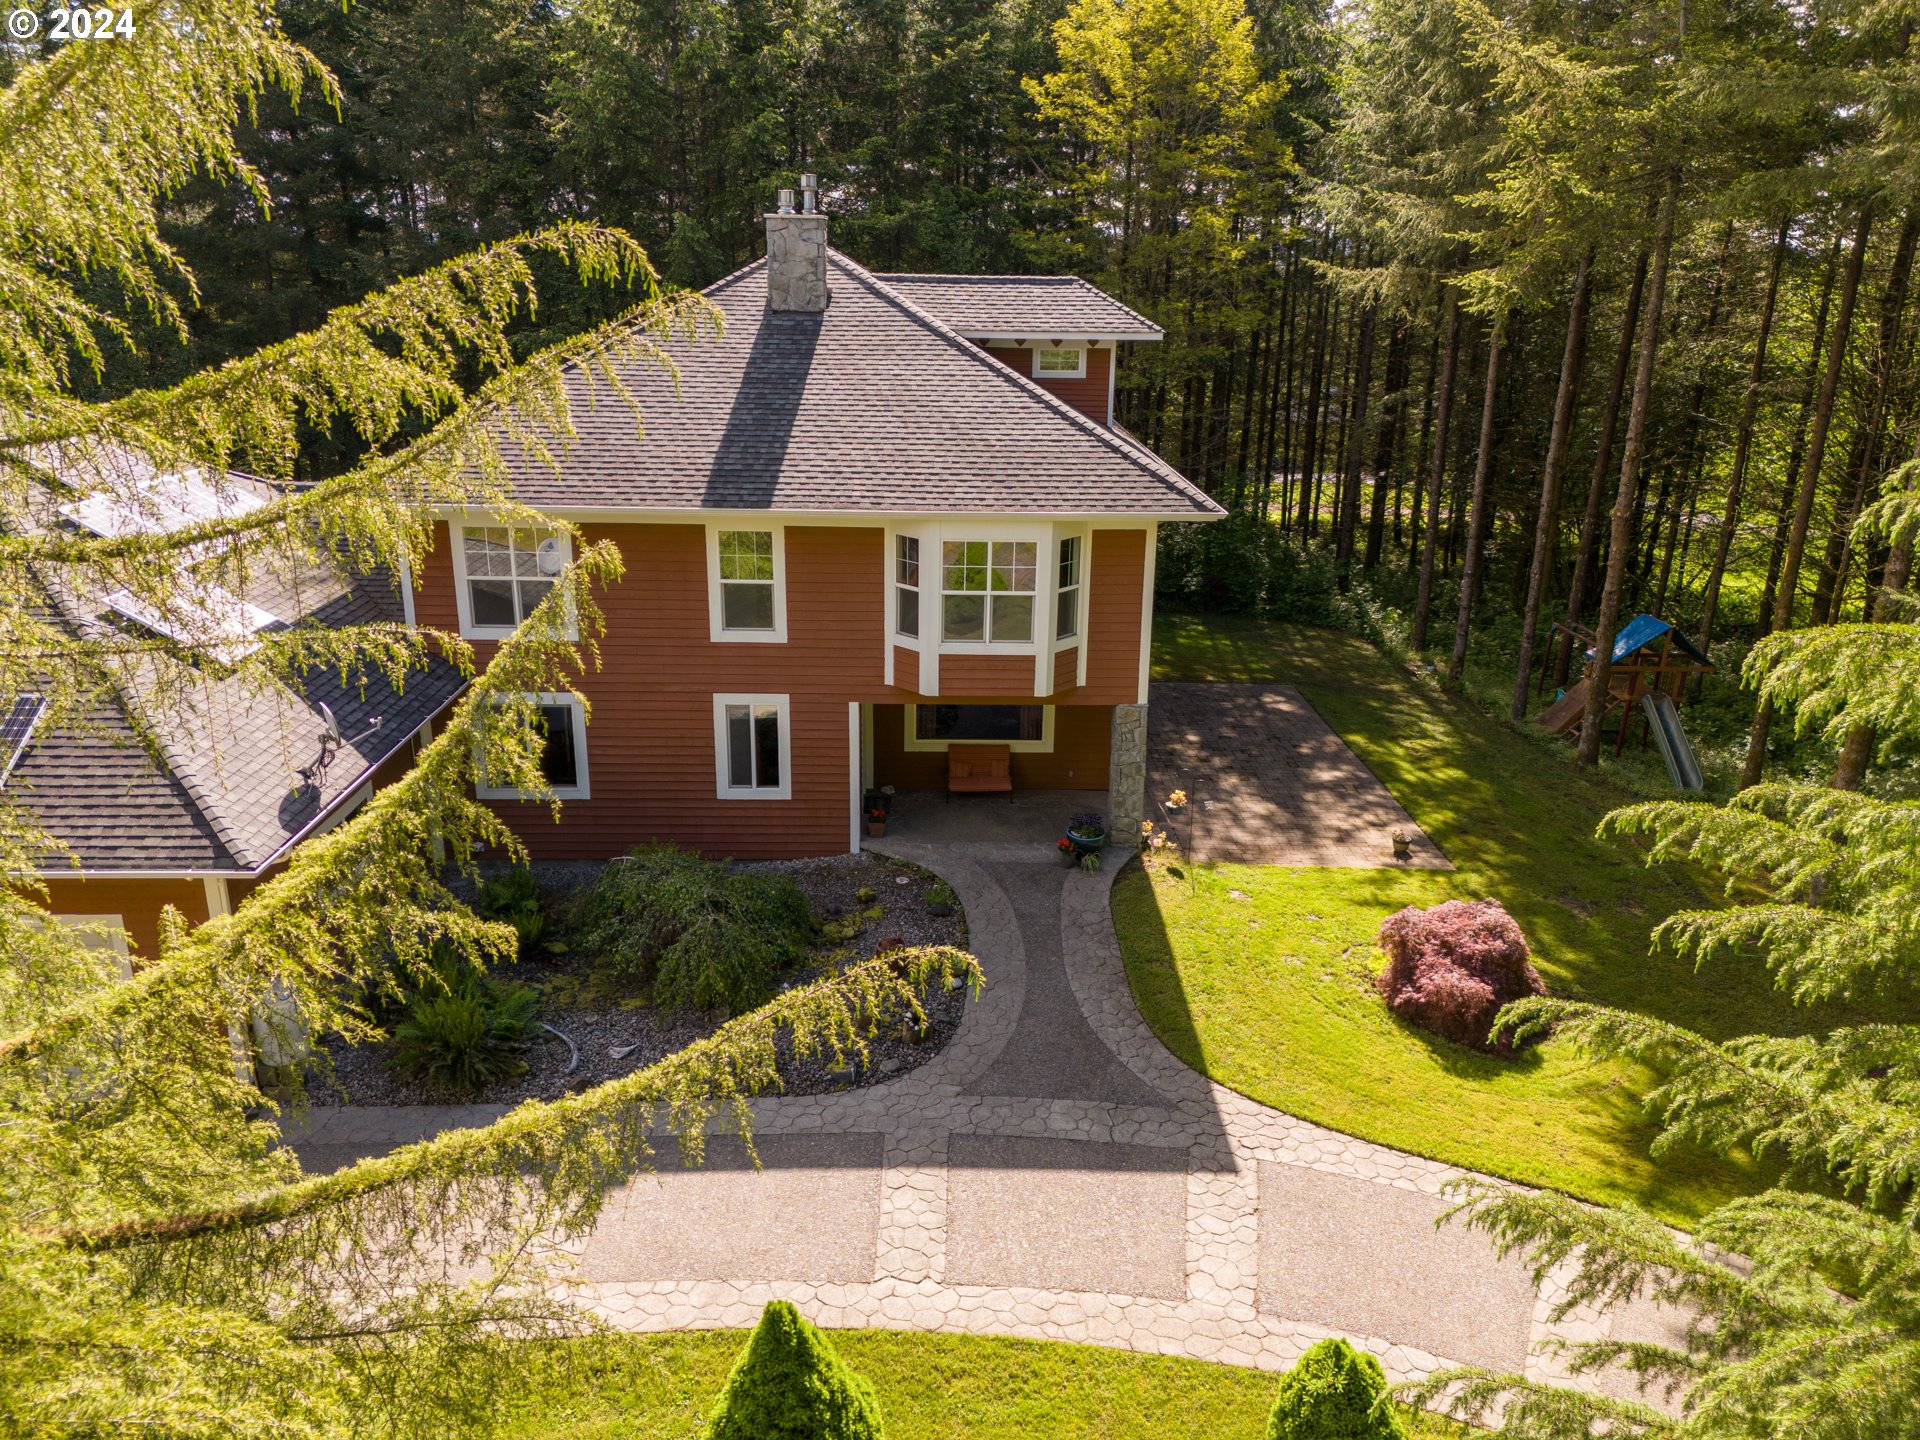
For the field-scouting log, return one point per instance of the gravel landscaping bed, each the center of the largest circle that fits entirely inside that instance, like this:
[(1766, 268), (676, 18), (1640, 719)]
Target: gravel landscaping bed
[(613, 1040)]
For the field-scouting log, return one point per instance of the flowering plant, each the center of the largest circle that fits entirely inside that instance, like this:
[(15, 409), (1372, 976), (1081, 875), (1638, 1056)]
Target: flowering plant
[(1177, 800), (1087, 824), (1063, 845), (876, 816)]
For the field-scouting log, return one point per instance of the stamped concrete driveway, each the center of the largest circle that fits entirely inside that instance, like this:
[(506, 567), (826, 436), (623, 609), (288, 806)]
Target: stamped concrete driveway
[(1054, 1172), (1270, 783)]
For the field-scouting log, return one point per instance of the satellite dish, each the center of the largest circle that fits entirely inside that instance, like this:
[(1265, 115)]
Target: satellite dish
[(551, 556), (326, 719)]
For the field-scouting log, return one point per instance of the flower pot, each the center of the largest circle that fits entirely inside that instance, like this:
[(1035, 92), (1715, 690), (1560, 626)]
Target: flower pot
[(876, 829), (1087, 844)]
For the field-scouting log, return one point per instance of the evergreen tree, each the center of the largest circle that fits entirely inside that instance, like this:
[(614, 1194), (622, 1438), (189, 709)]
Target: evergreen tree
[(164, 1267), (1334, 1392), (790, 1384)]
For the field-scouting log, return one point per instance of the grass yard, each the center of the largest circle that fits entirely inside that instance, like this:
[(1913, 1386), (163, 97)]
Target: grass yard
[(1272, 994), (931, 1387)]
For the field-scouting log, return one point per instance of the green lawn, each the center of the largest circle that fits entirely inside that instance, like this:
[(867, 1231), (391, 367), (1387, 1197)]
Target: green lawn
[(931, 1387), (1272, 994)]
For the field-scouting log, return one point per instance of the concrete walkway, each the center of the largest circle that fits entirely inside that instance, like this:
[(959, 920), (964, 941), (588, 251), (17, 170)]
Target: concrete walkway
[(1055, 1172)]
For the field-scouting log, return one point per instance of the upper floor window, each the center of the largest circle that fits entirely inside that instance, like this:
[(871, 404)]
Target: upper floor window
[(1068, 624), (906, 585), (987, 590), (503, 574), (747, 585), (1059, 362)]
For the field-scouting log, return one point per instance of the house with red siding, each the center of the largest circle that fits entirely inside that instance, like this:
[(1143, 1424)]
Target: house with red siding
[(879, 517)]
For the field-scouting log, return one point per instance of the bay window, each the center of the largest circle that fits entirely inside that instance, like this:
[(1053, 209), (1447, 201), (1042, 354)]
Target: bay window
[(1068, 624), (987, 590), (906, 585)]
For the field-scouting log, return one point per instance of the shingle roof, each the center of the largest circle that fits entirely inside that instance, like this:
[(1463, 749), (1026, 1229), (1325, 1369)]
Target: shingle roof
[(872, 406), (1022, 307), (207, 780)]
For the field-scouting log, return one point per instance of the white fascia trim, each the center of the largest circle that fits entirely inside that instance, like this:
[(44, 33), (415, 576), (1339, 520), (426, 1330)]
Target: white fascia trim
[(456, 529), (1024, 337), (1042, 746), (763, 519), (580, 791), (718, 633), (782, 791)]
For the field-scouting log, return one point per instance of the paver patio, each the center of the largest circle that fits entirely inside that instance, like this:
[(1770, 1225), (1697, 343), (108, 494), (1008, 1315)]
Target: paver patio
[(1056, 1173), (1270, 783)]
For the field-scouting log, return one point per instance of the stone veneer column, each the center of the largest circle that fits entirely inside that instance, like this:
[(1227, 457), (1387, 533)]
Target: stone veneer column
[(1127, 774), (797, 263)]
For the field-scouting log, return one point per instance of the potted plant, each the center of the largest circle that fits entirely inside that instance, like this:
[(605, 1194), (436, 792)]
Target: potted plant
[(876, 822), (1087, 832)]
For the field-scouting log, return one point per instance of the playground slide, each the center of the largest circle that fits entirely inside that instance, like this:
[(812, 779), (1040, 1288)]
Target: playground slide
[(1663, 720), (1564, 714)]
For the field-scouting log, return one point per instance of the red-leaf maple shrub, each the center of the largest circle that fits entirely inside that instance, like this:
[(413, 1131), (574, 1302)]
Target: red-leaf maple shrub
[(1451, 968)]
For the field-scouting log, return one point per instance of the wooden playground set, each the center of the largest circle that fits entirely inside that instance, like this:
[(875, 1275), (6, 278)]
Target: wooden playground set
[(1652, 663)]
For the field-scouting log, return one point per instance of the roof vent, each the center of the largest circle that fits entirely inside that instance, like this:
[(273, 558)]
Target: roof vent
[(797, 252)]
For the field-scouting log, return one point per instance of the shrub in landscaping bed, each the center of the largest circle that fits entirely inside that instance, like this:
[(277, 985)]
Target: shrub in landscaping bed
[(700, 934), (1451, 968), (790, 1384), (513, 897), (465, 1032), (1334, 1392)]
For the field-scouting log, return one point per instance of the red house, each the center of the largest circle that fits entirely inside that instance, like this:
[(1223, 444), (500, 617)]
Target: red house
[(881, 516)]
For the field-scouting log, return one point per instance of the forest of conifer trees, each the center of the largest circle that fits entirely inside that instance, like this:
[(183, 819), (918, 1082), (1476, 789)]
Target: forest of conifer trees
[(1584, 307)]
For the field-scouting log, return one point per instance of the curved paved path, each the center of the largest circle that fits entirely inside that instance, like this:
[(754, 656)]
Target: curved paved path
[(1056, 1173)]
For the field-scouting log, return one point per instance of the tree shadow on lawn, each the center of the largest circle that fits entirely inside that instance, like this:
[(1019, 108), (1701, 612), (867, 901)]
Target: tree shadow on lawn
[(1313, 1037)]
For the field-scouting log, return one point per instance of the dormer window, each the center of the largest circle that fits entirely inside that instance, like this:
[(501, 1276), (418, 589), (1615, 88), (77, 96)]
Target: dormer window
[(1059, 362)]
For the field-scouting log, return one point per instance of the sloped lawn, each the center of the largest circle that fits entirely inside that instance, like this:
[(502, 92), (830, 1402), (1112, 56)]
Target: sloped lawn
[(1271, 994), (931, 1387)]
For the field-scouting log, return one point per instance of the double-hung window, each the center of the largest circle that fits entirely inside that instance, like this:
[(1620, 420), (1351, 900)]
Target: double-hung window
[(906, 585), (987, 590), (753, 747), (747, 599), (503, 575), (1068, 623)]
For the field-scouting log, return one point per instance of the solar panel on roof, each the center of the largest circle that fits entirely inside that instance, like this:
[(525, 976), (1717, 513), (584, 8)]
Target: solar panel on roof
[(161, 504), (17, 729), (214, 618)]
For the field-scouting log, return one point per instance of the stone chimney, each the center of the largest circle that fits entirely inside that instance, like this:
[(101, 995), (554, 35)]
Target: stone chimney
[(797, 252)]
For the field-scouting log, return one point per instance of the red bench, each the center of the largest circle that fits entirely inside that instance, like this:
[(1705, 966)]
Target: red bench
[(979, 769)]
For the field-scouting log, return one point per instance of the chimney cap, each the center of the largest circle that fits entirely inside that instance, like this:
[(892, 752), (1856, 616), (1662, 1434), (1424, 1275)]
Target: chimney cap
[(809, 181), (786, 202)]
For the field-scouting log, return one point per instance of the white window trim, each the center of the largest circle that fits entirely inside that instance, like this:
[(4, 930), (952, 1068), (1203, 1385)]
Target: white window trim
[(1042, 599), (456, 534), (782, 791), (580, 791), (1042, 746), (718, 632), (895, 585), (1079, 587), (1079, 374)]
